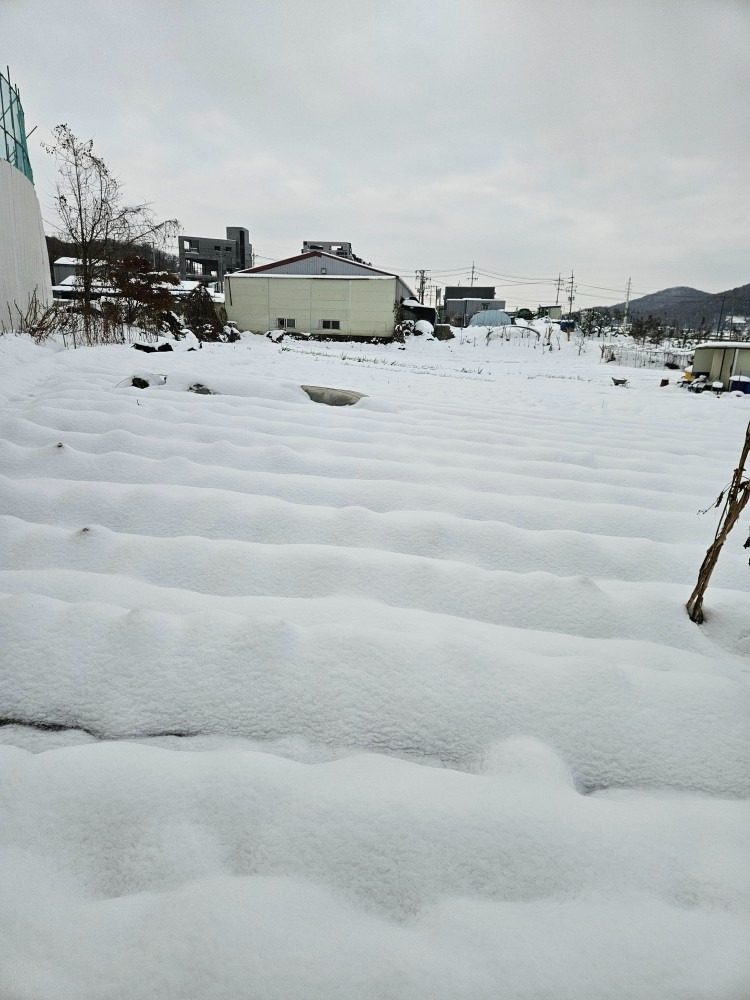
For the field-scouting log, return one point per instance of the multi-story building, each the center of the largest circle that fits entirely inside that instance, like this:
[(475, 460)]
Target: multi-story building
[(337, 248)]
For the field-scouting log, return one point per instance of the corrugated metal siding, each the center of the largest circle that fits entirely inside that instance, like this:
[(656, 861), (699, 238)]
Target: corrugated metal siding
[(363, 308), (718, 363), (702, 360), (24, 267), (403, 291)]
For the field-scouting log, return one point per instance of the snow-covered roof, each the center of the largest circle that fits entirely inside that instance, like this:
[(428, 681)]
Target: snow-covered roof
[(68, 261), (317, 277), (183, 288), (725, 343), (73, 281), (307, 255)]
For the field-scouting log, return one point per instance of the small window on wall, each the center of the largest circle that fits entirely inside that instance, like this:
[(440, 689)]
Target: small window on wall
[(331, 324), (285, 324)]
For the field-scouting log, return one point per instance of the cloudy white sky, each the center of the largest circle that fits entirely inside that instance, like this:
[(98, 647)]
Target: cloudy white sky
[(611, 137)]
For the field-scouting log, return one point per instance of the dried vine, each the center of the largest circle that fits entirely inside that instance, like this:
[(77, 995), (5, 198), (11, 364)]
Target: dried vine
[(734, 499)]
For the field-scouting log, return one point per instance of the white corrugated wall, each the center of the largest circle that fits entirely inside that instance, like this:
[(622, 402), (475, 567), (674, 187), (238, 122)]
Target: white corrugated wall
[(24, 267), (364, 307)]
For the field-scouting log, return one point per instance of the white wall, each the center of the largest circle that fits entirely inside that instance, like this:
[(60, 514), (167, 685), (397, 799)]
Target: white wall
[(24, 266), (363, 306)]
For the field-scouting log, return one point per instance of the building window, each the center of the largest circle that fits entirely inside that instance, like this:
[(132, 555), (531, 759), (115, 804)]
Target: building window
[(331, 324), (285, 324)]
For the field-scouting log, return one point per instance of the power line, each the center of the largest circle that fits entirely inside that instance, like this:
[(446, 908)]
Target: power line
[(494, 272), (433, 270), (514, 284), (507, 281)]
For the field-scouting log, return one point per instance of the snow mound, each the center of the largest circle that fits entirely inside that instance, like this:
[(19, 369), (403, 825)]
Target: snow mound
[(424, 327)]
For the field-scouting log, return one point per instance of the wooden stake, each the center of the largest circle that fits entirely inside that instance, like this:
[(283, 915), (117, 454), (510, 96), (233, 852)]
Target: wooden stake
[(737, 497)]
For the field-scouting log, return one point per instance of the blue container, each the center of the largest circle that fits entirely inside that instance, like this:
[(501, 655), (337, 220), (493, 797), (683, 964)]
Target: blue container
[(740, 383)]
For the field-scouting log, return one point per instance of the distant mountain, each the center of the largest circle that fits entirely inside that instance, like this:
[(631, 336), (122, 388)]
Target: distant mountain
[(690, 306)]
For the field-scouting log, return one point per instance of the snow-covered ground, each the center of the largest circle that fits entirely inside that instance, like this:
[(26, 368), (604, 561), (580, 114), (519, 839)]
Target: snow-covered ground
[(396, 700)]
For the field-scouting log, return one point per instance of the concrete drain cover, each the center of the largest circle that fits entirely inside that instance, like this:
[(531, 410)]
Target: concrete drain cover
[(332, 397)]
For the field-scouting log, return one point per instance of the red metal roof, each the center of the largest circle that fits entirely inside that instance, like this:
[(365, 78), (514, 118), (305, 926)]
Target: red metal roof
[(313, 253)]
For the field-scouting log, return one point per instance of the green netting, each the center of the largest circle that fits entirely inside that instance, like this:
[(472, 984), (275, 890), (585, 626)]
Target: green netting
[(13, 146)]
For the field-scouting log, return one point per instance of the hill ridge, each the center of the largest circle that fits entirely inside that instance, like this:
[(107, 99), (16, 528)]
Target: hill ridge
[(690, 306)]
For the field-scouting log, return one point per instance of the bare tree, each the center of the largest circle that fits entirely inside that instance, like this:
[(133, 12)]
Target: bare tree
[(94, 217)]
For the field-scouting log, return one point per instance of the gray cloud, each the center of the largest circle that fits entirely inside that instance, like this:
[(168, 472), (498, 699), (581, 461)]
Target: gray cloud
[(531, 137)]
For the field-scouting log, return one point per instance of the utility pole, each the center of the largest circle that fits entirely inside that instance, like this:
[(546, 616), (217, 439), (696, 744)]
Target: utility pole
[(472, 274), (420, 276), (719, 335), (627, 306), (559, 286), (571, 292)]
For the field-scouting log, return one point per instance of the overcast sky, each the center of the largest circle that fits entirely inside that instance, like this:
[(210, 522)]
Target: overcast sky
[(529, 136)]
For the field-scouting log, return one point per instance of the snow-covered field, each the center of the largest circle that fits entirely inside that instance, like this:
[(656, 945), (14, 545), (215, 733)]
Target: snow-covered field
[(392, 701)]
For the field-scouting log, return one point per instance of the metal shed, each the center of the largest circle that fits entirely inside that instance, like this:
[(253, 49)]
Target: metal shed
[(722, 360)]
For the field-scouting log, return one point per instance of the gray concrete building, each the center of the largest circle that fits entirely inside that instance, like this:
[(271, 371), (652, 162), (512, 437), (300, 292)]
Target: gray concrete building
[(461, 302), (338, 248), (208, 259)]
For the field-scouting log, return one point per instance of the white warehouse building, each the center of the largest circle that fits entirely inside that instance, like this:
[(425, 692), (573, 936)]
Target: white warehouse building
[(317, 293)]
